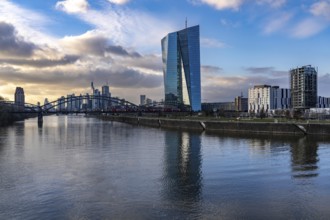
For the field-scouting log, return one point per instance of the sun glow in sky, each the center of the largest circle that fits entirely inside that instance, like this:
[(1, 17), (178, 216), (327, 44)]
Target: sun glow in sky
[(57, 47)]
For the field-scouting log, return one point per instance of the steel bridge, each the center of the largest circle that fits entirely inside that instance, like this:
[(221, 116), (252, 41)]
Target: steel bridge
[(103, 105)]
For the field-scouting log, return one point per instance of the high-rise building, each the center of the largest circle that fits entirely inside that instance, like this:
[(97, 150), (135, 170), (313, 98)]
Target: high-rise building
[(303, 82), (19, 97), (266, 98), (142, 100), (241, 104), (70, 105), (106, 95), (61, 104), (181, 67)]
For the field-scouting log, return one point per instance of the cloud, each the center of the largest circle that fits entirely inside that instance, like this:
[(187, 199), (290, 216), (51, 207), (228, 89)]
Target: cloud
[(213, 43), (118, 76), (123, 26), (73, 6), (224, 4), (321, 8), (277, 22), (207, 69), (120, 51), (32, 27), (40, 63), (13, 45), (267, 71), (119, 2), (272, 3), (308, 27), (219, 88)]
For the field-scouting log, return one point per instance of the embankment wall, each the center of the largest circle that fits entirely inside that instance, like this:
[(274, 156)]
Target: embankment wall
[(229, 127)]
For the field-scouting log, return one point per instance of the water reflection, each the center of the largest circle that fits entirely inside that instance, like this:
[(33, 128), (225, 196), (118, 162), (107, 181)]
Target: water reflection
[(304, 158), (182, 177)]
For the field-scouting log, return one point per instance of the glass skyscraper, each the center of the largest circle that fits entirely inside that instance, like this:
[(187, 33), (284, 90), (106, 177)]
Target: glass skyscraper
[(181, 67)]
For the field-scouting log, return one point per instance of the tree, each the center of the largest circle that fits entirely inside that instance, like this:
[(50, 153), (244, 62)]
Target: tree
[(262, 113), (297, 114)]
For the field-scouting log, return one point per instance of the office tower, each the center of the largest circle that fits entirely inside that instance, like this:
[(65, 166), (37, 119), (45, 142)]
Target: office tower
[(61, 104), (266, 98), (106, 95), (303, 82), (241, 104), (19, 97), (181, 67), (70, 102), (142, 100)]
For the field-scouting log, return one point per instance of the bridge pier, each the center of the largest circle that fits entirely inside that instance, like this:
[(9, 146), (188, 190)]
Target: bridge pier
[(40, 116)]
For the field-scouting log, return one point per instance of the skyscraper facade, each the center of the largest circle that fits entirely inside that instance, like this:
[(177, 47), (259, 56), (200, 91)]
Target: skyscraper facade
[(181, 67), (19, 97), (106, 95), (303, 82), (142, 100)]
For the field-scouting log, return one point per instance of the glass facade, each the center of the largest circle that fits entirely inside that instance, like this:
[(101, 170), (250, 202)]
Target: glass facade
[(181, 67)]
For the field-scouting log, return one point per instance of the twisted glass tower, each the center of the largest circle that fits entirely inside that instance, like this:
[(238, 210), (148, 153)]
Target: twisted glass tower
[(181, 67)]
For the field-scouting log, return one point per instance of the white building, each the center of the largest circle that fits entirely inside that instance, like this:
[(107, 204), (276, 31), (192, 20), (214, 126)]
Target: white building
[(268, 98)]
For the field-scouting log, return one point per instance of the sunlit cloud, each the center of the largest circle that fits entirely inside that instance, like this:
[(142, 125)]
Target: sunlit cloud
[(119, 2), (73, 6)]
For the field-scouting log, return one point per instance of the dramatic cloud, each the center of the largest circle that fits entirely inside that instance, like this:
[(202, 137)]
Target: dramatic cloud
[(32, 27), (13, 45), (73, 6), (119, 2), (128, 27), (40, 62)]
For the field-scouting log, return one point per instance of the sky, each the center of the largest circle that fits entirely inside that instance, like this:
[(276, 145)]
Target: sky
[(57, 47)]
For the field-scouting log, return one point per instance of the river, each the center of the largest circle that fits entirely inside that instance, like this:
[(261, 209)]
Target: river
[(75, 167)]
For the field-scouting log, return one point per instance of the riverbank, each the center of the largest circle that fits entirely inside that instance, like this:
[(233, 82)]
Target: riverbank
[(280, 128)]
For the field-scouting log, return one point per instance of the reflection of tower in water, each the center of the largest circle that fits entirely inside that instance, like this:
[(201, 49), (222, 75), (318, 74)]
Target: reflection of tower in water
[(304, 158), (182, 179)]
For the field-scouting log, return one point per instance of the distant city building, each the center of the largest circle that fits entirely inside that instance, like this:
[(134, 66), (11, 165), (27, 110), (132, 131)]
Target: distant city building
[(323, 102), (70, 105), (266, 98), (96, 100), (303, 82), (19, 97), (149, 102), (215, 106), (241, 104), (61, 104), (181, 67), (106, 95), (142, 100), (47, 105)]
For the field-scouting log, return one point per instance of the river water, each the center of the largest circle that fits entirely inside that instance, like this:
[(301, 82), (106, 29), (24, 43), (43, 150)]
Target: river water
[(75, 167)]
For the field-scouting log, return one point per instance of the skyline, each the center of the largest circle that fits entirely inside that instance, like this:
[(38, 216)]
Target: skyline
[(59, 47)]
